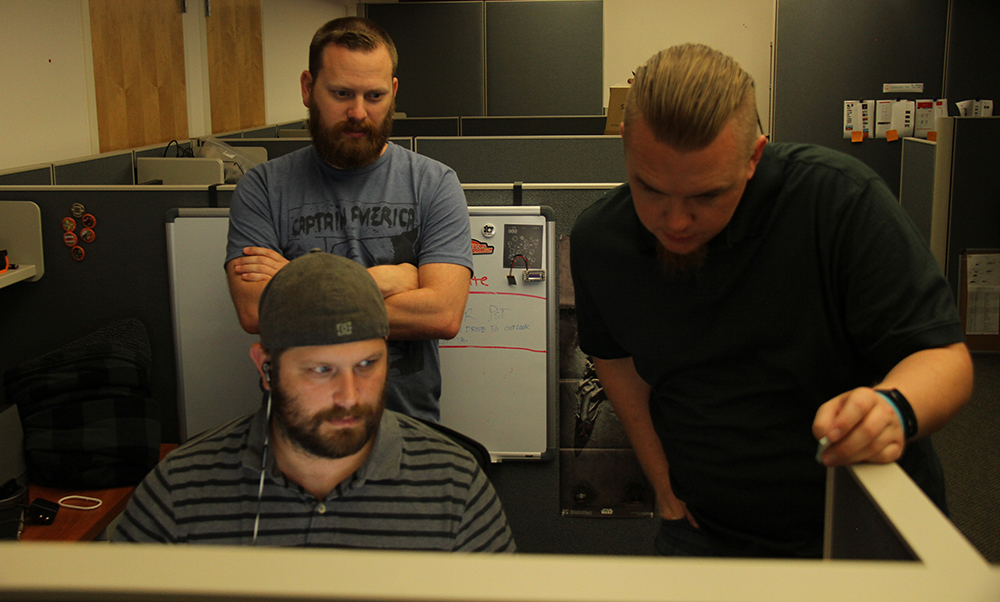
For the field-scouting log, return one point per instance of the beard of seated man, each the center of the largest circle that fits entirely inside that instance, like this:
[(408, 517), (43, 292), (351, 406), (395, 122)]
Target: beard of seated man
[(675, 264), (307, 432), (349, 153)]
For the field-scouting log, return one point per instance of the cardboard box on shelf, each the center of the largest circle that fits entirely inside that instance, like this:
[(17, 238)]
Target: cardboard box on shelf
[(616, 109)]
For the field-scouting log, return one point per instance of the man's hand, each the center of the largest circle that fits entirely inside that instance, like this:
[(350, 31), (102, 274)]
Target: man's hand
[(395, 279), (247, 276), (861, 426), (671, 508), (258, 264)]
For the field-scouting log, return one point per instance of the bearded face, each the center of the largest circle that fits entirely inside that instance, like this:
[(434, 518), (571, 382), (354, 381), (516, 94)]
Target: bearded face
[(338, 147), (314, 433)]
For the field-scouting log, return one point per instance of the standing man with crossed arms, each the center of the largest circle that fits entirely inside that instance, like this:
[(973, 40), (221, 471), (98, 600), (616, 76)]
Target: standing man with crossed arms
[(354, 193)]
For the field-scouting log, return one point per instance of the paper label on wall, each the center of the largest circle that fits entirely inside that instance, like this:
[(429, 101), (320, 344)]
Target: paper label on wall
[(883, 117), (941, 107), (902, 117), (983, 282), (868, 118), (852, 117), (924, 118)]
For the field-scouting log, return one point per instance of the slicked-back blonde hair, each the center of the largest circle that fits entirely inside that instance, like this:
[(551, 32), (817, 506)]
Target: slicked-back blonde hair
[(686, 94)]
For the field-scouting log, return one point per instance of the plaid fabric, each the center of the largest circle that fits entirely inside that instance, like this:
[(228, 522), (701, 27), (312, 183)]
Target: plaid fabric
[(89, 419)]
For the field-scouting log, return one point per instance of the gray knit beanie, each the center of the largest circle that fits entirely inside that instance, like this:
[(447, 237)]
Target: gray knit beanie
[(321, 299)]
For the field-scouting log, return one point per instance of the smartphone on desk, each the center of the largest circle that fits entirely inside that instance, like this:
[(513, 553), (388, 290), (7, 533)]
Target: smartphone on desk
[(11, 524)]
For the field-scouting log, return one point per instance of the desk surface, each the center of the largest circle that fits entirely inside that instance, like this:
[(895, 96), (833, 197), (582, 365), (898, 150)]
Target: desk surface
[(80, 525)]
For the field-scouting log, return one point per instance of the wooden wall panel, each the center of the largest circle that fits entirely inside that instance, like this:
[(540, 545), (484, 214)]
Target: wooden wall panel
[(138, 72), (235, 65)]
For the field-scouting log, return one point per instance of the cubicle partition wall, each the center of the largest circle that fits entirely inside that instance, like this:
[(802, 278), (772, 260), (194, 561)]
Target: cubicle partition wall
[(175, 148), (916, 184), (411, 127), (123, 274), (966, 213), (29, 175), (268, 131), (552, 125), (529, 158), (275, 146), (107, 169), (946, 567)]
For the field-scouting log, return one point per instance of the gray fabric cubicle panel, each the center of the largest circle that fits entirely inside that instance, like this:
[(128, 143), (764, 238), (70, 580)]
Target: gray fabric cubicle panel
[(916, 183), (425, 126), (123, 275), (562, 125), (275, 146), (972, 33), (37, 176), (529, 159), (974, 210), (112, 169), (441, 62), (270, 131), (159, 150), (406, 143), (545, 58), (822, 59), (566, 201)]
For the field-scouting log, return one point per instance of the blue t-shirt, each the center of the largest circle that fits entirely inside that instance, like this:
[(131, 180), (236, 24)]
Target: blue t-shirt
[(403, 208)]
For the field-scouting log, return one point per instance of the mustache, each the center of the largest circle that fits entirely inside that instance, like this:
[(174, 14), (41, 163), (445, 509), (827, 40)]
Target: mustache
[(346, 125), (340, 413)]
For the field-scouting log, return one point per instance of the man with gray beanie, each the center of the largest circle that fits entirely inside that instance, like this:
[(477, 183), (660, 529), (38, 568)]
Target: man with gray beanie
[(323, 464)]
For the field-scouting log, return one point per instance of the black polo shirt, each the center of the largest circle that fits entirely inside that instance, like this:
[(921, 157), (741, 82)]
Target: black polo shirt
[(819, 284)]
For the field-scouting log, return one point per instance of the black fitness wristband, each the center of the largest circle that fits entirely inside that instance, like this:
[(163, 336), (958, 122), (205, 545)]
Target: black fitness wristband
[(905, 410)]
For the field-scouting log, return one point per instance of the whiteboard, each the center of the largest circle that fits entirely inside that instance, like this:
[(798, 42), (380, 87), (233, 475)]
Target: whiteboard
[(498, 383), (497, 374)]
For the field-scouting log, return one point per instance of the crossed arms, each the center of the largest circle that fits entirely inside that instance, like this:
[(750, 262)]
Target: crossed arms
[(422, 303)]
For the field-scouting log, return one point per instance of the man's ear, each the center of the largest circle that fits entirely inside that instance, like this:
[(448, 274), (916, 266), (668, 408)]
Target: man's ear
[(621, 129), (758, 150), (306, 81), (263, 363), (395, 87)]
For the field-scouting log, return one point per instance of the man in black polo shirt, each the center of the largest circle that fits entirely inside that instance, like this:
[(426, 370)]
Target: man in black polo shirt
[(744, 301)]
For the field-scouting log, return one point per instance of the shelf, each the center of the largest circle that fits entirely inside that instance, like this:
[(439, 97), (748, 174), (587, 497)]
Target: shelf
[(22, 273), (21, 235)]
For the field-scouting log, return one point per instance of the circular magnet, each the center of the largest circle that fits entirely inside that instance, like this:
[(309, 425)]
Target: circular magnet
[(87, 235), (77, 210), (68, 224), (489, 230), (88, 220), (69, 238), (78, 253)]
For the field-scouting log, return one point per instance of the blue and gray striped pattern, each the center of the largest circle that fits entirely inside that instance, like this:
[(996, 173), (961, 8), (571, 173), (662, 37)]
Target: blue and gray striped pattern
[(417, 491)]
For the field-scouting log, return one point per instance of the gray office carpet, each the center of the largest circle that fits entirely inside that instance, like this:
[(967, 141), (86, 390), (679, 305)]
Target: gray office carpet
[(969, 451)]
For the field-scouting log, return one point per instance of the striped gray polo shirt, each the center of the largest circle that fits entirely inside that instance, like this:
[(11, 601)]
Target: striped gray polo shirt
[(418, 490)]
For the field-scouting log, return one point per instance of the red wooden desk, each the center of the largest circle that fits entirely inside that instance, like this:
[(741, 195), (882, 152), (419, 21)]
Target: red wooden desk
[(80, 525)]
